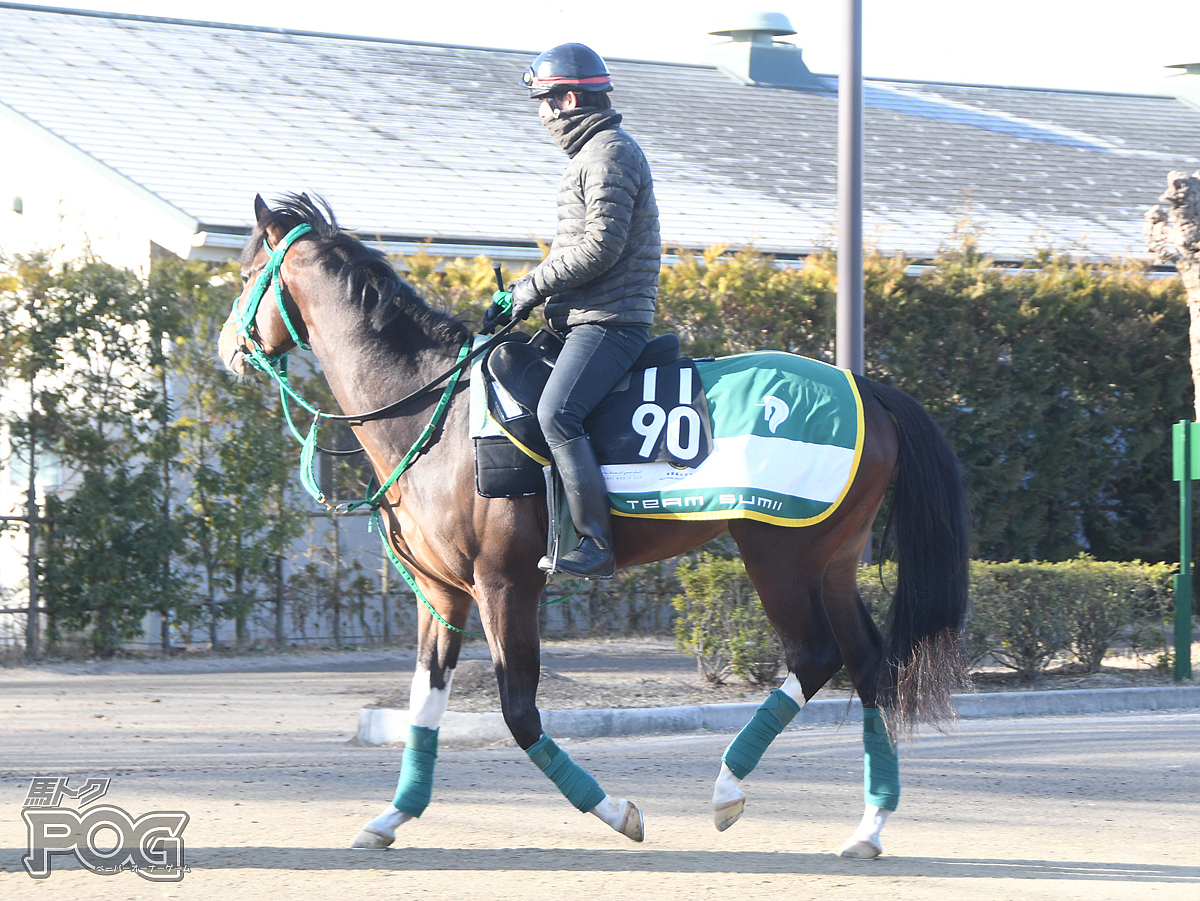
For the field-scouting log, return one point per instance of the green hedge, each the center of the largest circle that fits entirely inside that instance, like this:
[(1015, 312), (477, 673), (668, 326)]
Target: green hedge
[(1026, 614), (1023, 615), (722, 624), (1056, 382)]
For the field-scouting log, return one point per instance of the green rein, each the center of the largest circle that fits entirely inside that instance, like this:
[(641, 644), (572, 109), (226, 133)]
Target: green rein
[(275, 365)]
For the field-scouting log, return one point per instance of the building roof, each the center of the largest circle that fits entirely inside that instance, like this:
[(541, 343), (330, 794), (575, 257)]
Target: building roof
[(413, 141)]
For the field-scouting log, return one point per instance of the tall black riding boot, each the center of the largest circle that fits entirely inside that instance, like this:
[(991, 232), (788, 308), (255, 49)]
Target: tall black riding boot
[(587, 498)]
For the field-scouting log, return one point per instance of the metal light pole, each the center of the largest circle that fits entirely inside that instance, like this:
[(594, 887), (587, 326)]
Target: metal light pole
[(850, 193)]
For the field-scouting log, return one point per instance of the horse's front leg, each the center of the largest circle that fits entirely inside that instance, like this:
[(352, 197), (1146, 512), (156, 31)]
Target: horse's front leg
[(437, 656), (509, 610)]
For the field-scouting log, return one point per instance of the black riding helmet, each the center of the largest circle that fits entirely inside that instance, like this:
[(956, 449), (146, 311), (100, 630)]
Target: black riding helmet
[(567, 67)]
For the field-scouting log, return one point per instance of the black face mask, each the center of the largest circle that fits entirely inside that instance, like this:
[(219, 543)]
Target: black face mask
[(571, 130)]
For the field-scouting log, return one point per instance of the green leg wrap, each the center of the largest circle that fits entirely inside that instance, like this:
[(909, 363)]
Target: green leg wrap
[(881, 765), (415, 786), (578, 786), (747, 749)]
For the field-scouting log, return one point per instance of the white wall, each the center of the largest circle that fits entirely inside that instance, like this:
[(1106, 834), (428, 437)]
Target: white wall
[(72, 204), (69, 205)]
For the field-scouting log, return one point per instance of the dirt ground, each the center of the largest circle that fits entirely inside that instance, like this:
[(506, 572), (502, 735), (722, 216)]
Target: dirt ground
[(654, 673), (576, 673), (258, 751)]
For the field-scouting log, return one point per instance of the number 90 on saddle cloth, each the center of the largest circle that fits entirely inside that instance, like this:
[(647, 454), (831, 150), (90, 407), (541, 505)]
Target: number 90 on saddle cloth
[(657, 413)]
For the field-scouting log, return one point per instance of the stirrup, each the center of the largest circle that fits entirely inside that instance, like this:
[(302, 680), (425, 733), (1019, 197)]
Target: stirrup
[(592, 562)]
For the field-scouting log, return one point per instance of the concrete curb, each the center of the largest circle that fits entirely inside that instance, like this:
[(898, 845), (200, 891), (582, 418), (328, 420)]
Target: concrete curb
[(386, 726)]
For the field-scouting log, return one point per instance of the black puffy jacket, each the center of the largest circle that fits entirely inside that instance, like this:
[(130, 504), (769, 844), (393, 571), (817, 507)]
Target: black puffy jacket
[(604, 263)]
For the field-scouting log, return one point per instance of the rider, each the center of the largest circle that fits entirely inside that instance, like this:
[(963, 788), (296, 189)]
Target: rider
[(599, 281)]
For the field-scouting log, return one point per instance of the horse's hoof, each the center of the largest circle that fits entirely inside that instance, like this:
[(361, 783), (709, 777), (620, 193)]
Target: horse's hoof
[(370, 840), (860, 849), (632, 825), (726, 813)]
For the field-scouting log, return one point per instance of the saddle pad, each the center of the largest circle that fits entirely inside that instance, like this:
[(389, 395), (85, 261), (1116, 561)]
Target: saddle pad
[(501, 468), (787, 440), (658, 414), (653, 414)]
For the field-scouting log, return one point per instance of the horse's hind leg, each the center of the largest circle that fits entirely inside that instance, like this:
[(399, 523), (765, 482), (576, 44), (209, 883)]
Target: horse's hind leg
[(862, 648), (788, 581), (437, 656)]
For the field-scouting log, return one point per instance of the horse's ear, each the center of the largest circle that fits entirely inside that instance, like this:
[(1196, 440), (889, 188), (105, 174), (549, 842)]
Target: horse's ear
[(267, 222)]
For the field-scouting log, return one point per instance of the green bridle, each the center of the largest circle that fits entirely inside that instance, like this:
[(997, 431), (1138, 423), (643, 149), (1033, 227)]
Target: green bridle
[(275, 365), (245, 318)]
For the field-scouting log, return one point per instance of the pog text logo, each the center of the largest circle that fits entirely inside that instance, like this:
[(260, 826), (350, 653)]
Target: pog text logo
[(104, 839)]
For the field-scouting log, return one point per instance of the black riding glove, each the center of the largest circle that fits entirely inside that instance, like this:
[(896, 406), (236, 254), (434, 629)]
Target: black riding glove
[(524, 297), (495, 317)]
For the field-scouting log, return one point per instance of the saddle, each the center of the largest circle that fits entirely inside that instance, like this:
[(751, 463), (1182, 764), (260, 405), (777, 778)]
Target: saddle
[(656, 413)]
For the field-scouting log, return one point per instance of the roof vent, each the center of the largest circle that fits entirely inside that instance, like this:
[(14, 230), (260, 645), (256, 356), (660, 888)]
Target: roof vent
[(1185, 85), (753, 56)]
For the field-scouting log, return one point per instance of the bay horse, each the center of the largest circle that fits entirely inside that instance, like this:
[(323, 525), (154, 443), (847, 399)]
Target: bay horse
[(376, 340)]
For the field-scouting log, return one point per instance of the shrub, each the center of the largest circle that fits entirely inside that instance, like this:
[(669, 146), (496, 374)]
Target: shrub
[(1105, 602), (1151, 635), (875, 585), (1024, 614), (721, 622), (1020, 610)]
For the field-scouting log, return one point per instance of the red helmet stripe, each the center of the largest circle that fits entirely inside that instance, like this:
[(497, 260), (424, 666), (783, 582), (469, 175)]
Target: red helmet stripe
[(560, 79)]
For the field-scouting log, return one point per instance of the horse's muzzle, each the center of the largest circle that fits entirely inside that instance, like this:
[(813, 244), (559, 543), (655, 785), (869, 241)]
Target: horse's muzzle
[(230, 348)]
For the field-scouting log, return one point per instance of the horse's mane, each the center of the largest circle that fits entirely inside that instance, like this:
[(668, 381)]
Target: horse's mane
[(368, 277)]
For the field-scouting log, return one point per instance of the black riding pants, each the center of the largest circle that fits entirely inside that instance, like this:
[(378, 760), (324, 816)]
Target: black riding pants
[(591, 363)]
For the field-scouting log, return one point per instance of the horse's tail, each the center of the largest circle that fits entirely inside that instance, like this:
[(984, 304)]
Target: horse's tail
[(930, 516)]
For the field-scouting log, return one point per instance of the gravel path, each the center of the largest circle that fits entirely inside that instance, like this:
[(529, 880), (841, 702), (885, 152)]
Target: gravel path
[(1062, 808), (576, 674)]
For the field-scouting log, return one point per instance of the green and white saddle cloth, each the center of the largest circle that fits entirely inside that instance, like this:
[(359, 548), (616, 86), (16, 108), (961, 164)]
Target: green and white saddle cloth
[(787, 440)]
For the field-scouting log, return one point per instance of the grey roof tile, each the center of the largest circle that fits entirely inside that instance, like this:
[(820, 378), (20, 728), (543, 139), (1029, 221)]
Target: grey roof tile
[(439, 141)]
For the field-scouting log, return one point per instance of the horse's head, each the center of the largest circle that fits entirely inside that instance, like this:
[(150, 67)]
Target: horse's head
[(302, 275), (265, 320)]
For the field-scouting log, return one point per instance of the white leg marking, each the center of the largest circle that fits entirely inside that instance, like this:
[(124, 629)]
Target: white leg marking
[(728, 798), (389, 821), (791, 688), (728, 787), (426, 704), (865, 843), (381, 831), (622, 816)]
